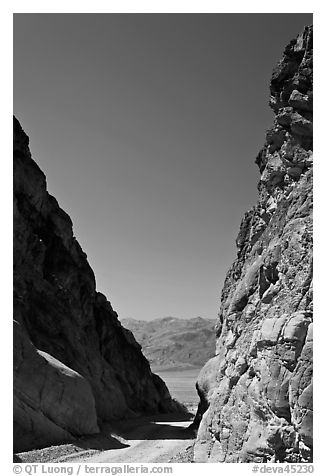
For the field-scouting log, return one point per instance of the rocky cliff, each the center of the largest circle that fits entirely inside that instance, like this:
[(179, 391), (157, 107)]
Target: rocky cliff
[(170, 342), (256, 393), (74, 363)]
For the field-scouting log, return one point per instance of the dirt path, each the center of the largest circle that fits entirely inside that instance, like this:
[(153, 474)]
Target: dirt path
[(154, 439), (150, 440)]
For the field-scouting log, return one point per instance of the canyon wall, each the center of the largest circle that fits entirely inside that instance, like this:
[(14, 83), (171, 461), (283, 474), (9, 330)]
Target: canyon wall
[(74, 363), (256, 393)]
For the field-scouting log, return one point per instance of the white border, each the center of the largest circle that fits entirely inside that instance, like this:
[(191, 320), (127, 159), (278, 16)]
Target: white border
[(96, 6)]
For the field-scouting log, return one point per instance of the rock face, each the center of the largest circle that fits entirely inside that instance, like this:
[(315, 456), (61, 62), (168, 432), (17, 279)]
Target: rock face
[(170, 342), (74, 363), (256, 393)]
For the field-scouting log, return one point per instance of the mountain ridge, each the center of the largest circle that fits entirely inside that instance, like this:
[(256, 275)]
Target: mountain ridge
[(171, 342)]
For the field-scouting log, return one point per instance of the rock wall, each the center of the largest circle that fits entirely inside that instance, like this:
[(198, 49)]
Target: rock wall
[(256, 393), (74, 363)]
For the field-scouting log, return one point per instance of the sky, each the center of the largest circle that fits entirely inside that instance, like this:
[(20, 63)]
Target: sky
[(147, 127)]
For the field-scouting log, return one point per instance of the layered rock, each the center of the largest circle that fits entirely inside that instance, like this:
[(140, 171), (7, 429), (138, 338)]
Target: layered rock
[(74, 363), (256, 393)]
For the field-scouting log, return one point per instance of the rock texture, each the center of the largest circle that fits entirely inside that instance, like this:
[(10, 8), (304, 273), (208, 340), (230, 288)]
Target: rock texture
[(256, 393), (170, 342), (74, 363)]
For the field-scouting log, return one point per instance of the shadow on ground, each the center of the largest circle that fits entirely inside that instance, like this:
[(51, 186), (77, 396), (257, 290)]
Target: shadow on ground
[(114, 436), (100, 442), (170, 417), (59, 453), (152, 428)]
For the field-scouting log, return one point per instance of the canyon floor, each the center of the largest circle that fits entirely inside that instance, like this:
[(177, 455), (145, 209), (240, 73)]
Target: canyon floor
[(151, 439), (159, 438)]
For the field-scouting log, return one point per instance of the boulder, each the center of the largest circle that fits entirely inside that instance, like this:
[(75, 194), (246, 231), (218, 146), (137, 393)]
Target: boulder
[(52, 402)]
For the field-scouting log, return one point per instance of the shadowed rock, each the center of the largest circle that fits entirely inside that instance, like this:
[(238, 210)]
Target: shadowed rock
[(74, 362), (52, 402)]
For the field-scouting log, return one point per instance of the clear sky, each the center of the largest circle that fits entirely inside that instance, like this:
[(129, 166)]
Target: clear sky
[(147, 127)]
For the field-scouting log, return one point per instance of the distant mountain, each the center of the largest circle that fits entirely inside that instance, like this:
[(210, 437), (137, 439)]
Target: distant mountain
[(170, 342)]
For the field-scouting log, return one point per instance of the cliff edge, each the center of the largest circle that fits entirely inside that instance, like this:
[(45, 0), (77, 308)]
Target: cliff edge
[(256, 393)]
